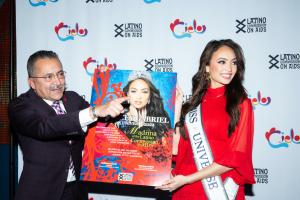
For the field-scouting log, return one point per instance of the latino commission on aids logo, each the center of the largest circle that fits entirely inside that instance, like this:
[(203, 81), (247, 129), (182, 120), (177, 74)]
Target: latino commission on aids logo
[(159, 64), (280, 139), (36, 3), (181, 29), (110, 1), (129, 30), (261, 175), (287, 61), (251, 25), (66, 32)]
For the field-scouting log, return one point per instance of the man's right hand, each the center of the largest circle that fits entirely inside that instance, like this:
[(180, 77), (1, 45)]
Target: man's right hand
[(112, 108)]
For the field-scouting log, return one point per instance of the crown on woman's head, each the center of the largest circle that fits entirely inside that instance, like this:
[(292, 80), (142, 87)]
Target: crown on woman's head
[(139, 74)]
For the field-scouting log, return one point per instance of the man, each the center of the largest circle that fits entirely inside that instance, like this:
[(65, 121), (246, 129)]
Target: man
[(50, 124)]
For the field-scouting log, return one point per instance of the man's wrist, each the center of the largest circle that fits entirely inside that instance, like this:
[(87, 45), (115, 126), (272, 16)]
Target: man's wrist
[(94, 113)]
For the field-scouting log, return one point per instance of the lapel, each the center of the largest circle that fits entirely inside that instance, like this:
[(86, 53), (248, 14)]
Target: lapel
[(48, 110), (67, 104), (40, 103)]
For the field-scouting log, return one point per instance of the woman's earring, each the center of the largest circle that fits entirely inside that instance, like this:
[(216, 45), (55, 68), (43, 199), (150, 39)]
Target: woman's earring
[(148, 101)]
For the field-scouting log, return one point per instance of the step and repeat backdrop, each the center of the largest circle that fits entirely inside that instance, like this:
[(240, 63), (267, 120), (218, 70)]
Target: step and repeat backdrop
[(169, 36)]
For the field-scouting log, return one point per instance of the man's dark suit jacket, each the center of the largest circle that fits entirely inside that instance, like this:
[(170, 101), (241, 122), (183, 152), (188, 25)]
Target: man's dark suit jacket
[(44, 141)]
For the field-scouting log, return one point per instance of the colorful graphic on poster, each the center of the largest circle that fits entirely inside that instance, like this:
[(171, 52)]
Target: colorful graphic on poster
[(136, 147)]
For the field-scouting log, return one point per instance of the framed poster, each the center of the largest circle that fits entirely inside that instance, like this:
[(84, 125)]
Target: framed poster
[(136, 147)]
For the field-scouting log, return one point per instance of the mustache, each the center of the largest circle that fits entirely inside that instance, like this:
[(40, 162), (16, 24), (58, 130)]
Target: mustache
[(58, 87)]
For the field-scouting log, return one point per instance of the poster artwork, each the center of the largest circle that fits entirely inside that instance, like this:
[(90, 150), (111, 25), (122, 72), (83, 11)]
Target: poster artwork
[(136, 147)]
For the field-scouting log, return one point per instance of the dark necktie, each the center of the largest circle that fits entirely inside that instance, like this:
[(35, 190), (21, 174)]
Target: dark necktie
[(59, 111)]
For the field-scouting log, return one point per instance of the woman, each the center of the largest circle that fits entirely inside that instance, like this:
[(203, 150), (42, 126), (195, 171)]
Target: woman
[(227, 121), (146, 124)]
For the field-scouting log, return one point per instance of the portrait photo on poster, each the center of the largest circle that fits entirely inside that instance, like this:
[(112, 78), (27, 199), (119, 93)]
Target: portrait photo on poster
[(135, 147)]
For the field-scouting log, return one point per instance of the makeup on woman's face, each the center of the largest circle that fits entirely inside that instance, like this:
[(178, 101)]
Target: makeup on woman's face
[(222, 67), (139, 93)]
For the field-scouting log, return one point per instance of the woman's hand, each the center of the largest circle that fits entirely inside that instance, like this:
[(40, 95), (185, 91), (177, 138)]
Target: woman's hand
[(173, 183)]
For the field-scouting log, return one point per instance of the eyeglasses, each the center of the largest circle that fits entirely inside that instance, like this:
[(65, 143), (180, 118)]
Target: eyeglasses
[(51, 77)]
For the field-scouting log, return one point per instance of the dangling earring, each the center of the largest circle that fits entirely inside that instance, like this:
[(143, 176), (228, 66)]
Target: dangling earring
[(148, 101)]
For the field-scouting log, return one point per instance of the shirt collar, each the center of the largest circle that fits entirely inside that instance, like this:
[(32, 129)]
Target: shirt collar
[(49, 102)]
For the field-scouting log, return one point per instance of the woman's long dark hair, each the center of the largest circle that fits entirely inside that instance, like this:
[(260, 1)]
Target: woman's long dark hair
[(235, 92)]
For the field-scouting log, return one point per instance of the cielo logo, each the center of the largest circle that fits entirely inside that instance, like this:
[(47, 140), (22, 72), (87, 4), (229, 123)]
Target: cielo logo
[(129, 30), (151, 1), (99, 73), (159, 64), (40, 2), (91, 64), (64, 32), (181, 29), (278, 139), (285, 61), (251, 25), (260, 100)]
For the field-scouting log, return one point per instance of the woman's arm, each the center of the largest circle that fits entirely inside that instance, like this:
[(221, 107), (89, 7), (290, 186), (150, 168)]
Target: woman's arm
[(178, 106), (238, 156), (177, 181)]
